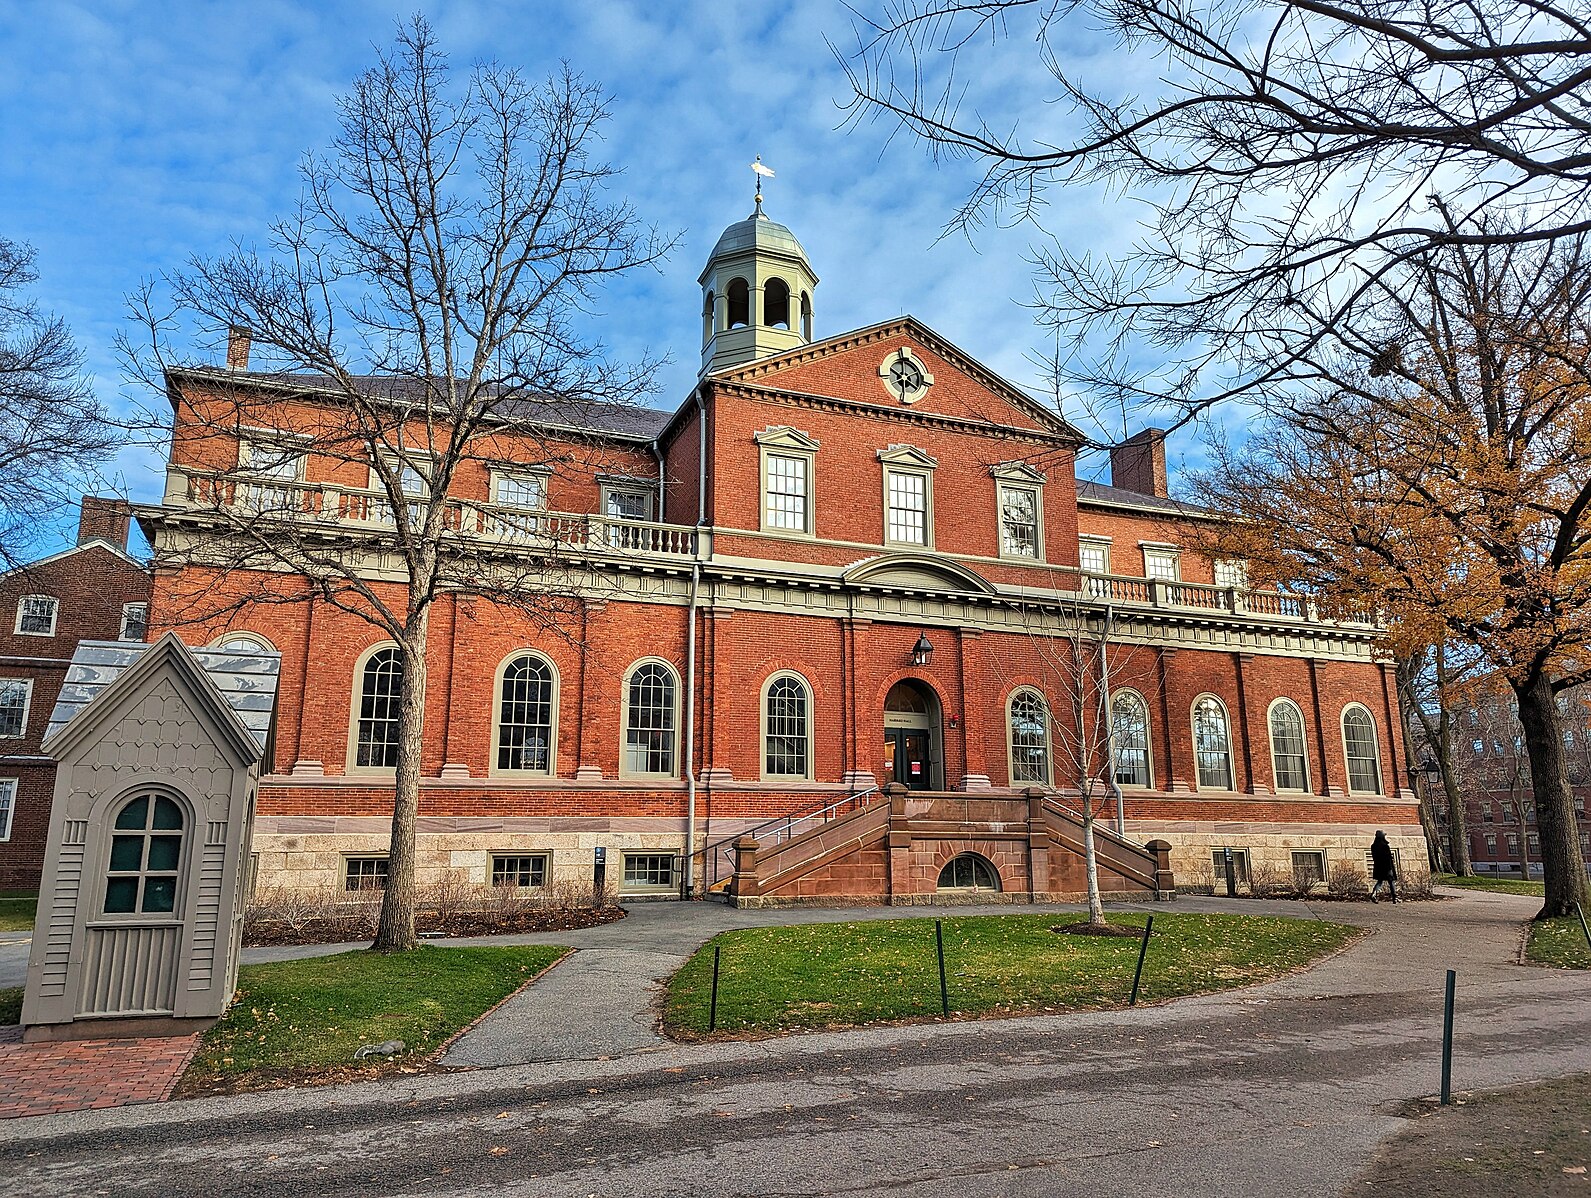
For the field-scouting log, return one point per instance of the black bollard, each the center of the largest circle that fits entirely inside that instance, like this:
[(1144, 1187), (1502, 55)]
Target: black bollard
[(939, 942), (1578, 910), (1143, 950), (712, 1011), (1447, 1041)]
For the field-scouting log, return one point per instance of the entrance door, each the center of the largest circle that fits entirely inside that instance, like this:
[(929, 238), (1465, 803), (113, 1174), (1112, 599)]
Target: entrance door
[(906, 755)]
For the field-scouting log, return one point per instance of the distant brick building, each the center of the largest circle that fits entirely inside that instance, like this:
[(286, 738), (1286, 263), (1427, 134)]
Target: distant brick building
[(92, 591), (835, 566)]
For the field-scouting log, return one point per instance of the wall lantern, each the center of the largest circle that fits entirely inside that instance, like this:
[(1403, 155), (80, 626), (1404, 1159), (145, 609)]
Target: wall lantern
[(922, 651)]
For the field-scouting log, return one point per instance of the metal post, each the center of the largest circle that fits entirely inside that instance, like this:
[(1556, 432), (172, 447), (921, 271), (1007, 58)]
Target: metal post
[(939, 943), (1230, 863), (1587, 930), (1143, 951), (712, 1012), (1447, 1041)]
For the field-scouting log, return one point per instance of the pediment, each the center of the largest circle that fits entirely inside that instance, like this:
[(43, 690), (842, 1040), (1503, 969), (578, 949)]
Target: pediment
[(1016, 472), (908, 455), (917, 572), (782, 436)]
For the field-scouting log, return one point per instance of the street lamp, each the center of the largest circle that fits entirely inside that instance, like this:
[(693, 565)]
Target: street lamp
[(1433, 772), (922, 651)]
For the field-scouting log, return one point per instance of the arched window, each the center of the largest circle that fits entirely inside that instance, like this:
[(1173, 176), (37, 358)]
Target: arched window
[(968, 872), (525, 716), (739, 297), (1029, 729), (787, 737), (806, 317), (776, 304), (1129, 733), (707, 319), (380, 680), (145, 857), (244, 642), (1289, 761), (1359, 746), (649, 721), (1212, 743)]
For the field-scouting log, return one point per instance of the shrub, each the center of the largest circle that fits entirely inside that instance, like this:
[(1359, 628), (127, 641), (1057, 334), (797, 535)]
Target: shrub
[(1198, 880), (1269, 881), (1347, 880)]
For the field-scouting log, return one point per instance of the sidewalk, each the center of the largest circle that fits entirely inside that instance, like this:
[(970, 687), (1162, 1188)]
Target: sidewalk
[(81, 1075)]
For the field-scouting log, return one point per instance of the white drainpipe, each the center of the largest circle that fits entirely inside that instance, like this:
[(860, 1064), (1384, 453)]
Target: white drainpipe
[(690, 650)]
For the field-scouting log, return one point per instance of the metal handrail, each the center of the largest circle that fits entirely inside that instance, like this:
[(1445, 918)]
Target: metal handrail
[(777, 830)]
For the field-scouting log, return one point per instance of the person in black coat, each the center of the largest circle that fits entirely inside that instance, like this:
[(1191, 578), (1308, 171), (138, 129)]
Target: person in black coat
[(1383, 867)]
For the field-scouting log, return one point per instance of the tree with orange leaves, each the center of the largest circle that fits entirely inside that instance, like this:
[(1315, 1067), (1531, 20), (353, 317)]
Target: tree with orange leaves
[(1437, 468)]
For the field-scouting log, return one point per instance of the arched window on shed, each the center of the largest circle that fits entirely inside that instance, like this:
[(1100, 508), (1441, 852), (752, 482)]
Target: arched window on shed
[(1359, 746), (739, 297), (145, 857), (1212, 743), (380, 682), (776, 304), (1028, 724)]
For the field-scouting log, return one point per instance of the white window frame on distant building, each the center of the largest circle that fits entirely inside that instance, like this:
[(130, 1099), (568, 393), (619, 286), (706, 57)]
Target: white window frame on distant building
[(786, 454), (905, 462), (134, 615), (37, 607), (8, 807), (1018, 480), (1088, 545), (1161, 561), (23, 688)]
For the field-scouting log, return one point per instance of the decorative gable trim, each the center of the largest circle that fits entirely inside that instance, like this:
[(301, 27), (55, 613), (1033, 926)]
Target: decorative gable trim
[(782, 436), (908, 455), (1016, 472)]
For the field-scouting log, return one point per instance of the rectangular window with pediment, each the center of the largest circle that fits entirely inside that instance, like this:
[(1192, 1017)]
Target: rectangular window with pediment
[(788, 460), (1162, 561), (525, 491), (1020, 498), (908, 496)]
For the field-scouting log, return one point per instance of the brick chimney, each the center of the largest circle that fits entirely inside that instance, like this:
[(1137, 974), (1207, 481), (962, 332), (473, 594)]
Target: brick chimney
[(104, 519), (238, 341), (1139, 463)]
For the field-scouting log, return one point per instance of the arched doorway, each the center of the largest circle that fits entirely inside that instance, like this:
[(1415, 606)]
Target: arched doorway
[(912, 753)]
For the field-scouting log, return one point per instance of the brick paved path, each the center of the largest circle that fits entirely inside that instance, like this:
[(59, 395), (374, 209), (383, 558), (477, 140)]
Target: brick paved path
[(77, 1075)]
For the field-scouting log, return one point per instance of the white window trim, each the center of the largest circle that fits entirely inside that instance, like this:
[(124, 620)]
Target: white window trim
[(626, 485), (27, 706), (1270, 735), (55, 614), (278, 440), (9, 806), (542, 475), (1375, 737), (1160, 547), (497, 720), (762, 728), (1149, 735), (495, 855), (356, 690), (1037, 492), (1093, 542), (783, 441), (907, 459), (350, 855), (624, 720), (1231, 749), (224, 642), (1010, 737), (126, 607), (666, 888)]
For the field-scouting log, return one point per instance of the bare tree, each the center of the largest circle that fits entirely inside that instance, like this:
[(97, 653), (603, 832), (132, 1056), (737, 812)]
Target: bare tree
[(1427, 680), (426, 308), (53, 431), (1285, 152)]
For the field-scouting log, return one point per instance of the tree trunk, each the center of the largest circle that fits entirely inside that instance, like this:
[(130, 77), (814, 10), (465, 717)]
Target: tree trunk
[(395, 932), (1096, 905), (1457, 817), (1563, 865)]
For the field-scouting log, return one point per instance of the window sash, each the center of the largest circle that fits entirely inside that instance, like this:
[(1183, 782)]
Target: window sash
[(381, 682), (906, 521), (1029, 738), (364, 873), (36, 614), (787, 480), (8, 806), (522, 870), (1162, 564), (15, 694), (1364, 758), (1019, 522), (787, 740), (278, 461), (1093, 558), (1212, 745), (524, 491), (649, 721), (1129, 721), (135, 621), (649, 869), (525, 717), (1288, 759)]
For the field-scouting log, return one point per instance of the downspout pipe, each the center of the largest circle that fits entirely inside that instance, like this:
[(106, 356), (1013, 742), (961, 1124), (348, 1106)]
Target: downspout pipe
[(1110, 721), (690, 647)]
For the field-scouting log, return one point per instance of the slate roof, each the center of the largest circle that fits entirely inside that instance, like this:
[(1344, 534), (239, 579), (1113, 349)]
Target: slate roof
[(247, 681), (627, 421), (1120, 497)]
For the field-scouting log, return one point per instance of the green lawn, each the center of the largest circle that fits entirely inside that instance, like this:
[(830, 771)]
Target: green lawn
[(820, 975), (299, 1020), (1559, 942), (10, 1005), (1499, 885), (16, 912)]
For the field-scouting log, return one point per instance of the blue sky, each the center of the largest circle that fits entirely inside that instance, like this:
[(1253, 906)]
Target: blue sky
[(139, 133)]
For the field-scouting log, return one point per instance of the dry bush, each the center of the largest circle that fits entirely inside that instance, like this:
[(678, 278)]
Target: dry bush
[(1266, 880), (1347, 880), (1198, 880), (1417, 886)]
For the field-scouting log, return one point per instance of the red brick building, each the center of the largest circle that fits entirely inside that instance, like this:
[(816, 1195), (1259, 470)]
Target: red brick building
[(92, 591), (839, 563)]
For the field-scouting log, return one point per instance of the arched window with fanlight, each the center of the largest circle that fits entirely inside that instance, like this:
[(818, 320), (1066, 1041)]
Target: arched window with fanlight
[(145, 856), (1028, 729), (1212, 743), (650, 722), (380, 679), (1361, 750), (1289, 759), (969, 871), (1129, 739), (786, 728), (526, 715)]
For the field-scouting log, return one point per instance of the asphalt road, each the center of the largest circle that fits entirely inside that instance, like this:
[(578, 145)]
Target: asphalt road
[(1284, 1089)]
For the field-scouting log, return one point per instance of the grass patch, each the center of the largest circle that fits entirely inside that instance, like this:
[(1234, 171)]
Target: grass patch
[(16, 913), (825, 975), (1560, 942), (296, 1021), (10, 1005), (1497, 885)]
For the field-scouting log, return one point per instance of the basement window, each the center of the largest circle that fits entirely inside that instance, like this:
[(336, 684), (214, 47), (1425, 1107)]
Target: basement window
[(364, 873), (969, 872)]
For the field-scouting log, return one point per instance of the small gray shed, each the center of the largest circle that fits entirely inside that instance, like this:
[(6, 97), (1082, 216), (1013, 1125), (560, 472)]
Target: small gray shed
[(140, 917)]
